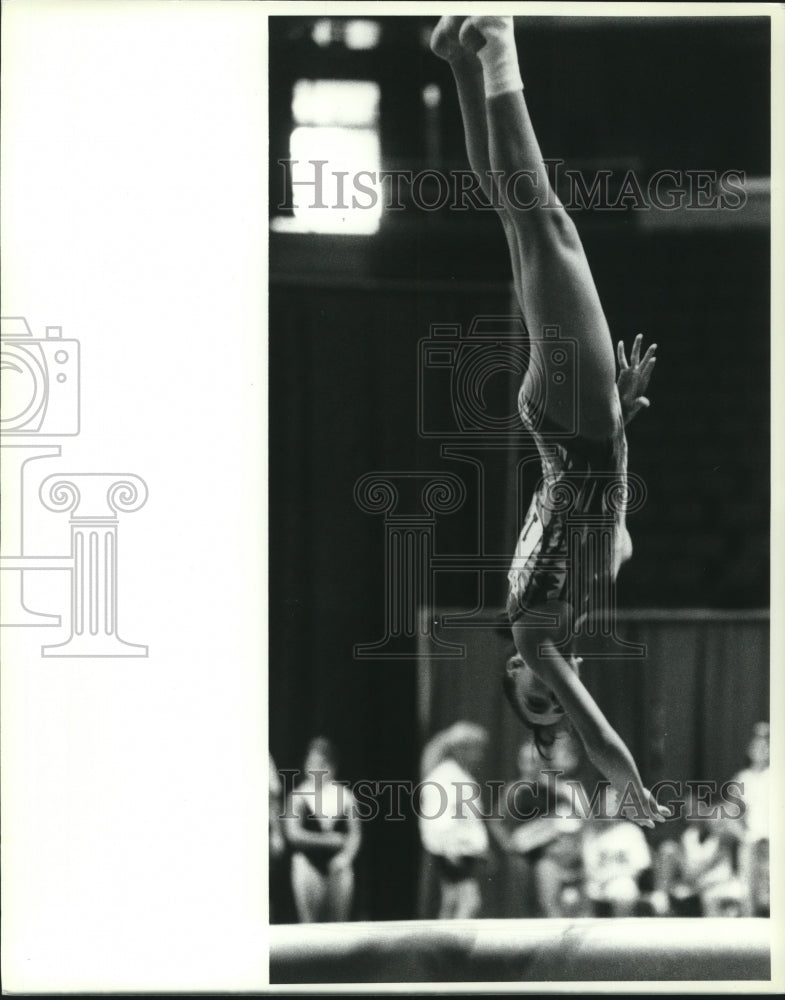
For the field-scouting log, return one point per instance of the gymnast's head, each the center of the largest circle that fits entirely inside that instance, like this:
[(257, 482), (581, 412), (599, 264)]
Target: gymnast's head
[(321, 758), (534, 703)]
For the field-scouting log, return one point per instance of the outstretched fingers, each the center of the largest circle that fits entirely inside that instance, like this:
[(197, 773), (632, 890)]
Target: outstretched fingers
[(647, 811), (648, 357), (657, 813), (647, 367), (643, 364), (635, 354)]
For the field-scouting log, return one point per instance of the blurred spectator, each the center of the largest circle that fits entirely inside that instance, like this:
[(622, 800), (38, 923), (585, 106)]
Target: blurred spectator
[(545, 834), (323, 831), (753, 826), (616, 863), (455, 838), (276, 843), (697, 871)]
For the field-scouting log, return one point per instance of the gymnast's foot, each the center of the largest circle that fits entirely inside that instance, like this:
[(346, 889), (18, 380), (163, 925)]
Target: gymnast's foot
[(492, 40), (477, 32), (445, 41)]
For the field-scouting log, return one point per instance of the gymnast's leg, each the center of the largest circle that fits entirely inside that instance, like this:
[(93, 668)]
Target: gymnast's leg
[(460, 899), (556, 287), (309, 888), (469, 901), (341, 892), (467, 71)]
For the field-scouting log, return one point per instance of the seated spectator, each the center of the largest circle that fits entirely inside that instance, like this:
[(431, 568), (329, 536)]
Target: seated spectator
[(753, 826), (544, 834), (697, 871), (616, 863)]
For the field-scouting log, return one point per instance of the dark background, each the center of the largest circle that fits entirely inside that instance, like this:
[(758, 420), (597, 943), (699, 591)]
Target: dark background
[(347, 315)]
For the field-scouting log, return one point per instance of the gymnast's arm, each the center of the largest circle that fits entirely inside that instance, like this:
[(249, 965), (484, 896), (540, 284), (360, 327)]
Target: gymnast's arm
[(352, 839), (605, 748), (298, 837)]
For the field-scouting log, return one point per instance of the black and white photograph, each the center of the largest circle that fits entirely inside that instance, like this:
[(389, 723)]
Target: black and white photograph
[(520, 357), (391, 561)]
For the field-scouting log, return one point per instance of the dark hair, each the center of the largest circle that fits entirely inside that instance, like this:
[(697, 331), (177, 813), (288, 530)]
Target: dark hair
[(544, 736)]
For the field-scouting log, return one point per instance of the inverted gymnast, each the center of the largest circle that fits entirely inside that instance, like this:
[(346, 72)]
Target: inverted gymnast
[(554, 287)]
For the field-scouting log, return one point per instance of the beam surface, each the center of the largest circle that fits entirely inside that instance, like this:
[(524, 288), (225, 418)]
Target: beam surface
[(424, 951)]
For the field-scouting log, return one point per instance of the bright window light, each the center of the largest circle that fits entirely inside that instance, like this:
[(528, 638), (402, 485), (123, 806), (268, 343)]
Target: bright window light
[(324, 197), (352, 103), (322, 32), (362, 34), (431, 96), (336, 121)]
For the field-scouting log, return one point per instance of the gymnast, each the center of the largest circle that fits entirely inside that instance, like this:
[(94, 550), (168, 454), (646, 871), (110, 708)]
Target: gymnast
[(554, 287), (323, 831)]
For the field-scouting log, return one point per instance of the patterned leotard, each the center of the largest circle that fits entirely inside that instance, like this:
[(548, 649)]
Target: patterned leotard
[(574, 534)]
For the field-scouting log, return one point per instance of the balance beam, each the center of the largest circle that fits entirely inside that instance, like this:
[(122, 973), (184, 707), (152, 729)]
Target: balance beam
[(429, 951)]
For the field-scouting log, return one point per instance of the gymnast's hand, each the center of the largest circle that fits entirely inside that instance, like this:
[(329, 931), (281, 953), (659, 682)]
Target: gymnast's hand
[(641, 807), (635, 801), (634, 377), (656, 812)]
